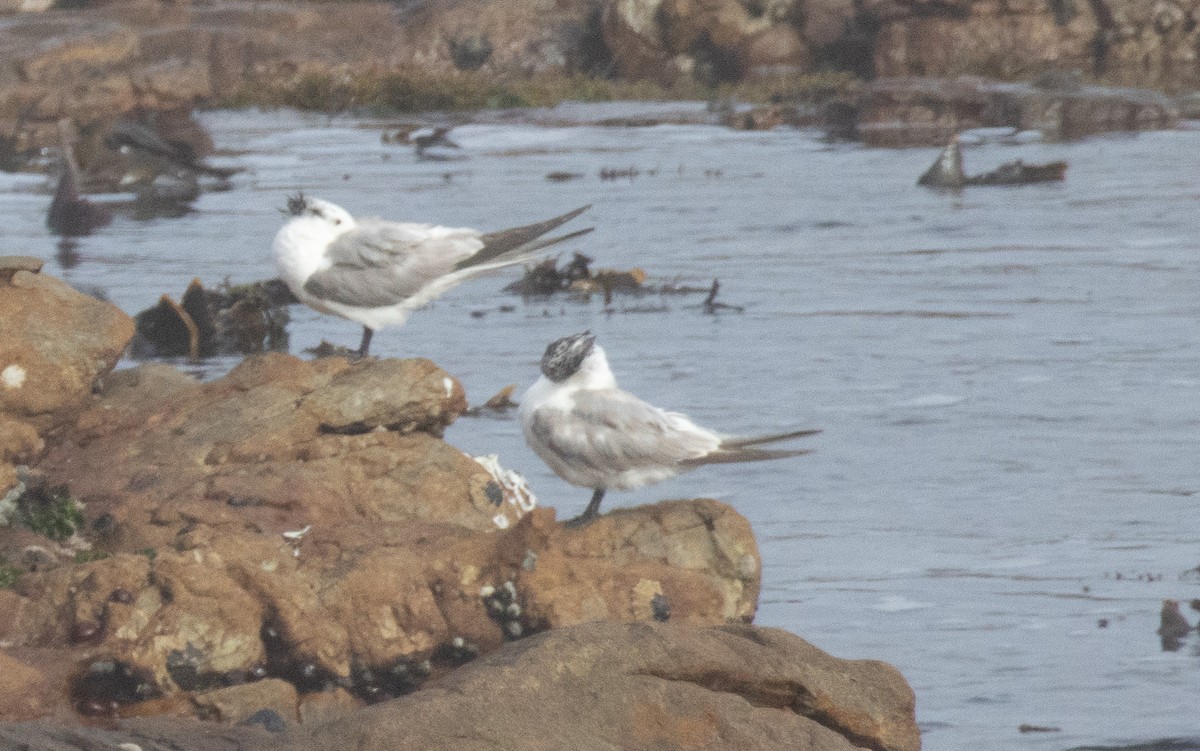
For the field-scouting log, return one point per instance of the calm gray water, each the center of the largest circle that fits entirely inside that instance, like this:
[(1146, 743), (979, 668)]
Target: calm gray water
[(1007, 379)]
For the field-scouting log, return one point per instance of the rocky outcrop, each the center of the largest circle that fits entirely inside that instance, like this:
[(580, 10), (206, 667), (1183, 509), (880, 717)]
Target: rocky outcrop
[(645, 686), (931, 111), (302, 521), (592, 686), (57, 343), (91, 64), (714, 40), (510, 38), (1120, 42), (1123, 42)]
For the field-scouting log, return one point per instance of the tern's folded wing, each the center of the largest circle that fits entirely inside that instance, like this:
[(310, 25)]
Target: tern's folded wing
[(384, 263), (613, 431)]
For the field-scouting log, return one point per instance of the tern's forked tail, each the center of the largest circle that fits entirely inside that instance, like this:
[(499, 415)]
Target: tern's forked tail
[(745, 449), (737, 442)]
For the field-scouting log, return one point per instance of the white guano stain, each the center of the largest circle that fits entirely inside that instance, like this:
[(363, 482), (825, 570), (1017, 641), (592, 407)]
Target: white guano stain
[(13, 377)]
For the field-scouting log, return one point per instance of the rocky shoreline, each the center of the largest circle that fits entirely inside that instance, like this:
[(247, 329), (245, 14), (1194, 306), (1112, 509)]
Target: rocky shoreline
[(293, 543), (889, 72)]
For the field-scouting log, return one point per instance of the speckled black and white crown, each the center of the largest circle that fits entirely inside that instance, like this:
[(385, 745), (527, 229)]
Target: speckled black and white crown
[(564, 356)]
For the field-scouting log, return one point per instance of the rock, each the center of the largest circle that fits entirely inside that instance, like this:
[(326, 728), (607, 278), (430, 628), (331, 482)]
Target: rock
[(526, 37), (156, 734), (241, 704), (61, 342), (25, 691), (714, 40), (599, 685), (712, 568), (773, 51), (929, 112), (827, 22), (644, 686), (1122, 42), (19, 442), (633, 33), (317, 708), (302, 521)]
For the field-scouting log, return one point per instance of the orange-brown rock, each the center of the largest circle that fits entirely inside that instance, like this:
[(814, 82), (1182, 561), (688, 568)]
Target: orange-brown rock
[(236, 704), (595, 686), (643, 686), (25, 690), (56, 343), (303, 521)]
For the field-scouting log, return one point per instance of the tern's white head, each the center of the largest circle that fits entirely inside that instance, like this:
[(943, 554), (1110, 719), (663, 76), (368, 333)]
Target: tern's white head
[(300, 244), (579, 361), (317, 211)]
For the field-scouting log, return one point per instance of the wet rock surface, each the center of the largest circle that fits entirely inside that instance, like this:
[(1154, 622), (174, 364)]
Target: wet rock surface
[(930, 111)]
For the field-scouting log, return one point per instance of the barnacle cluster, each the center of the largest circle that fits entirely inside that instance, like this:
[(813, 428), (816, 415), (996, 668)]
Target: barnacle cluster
[(503, 608)]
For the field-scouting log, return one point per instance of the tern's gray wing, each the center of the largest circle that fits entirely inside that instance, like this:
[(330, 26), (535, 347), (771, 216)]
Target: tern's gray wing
[(379, 263), (613, 431)]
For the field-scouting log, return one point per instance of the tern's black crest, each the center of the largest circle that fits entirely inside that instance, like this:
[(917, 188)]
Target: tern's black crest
[(297, 204), (564, 356)]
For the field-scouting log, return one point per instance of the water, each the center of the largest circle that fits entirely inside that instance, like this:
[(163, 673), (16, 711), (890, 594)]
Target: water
[(1007, 378)]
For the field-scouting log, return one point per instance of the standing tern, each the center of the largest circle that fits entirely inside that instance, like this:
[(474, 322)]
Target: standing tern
[(377, 272), (595, 435)]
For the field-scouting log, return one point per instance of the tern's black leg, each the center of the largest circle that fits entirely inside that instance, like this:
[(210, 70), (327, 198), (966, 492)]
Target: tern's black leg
[(365, 344), (589, 513)]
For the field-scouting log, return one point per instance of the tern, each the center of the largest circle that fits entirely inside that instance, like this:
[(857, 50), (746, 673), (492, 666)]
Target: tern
[(377, 272), (595, 435)]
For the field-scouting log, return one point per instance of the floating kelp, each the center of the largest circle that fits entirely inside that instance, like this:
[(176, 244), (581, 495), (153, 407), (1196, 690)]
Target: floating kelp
[(577, 279)]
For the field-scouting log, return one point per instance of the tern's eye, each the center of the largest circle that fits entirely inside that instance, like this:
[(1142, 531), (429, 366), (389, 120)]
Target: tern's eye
[(337, 221)]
